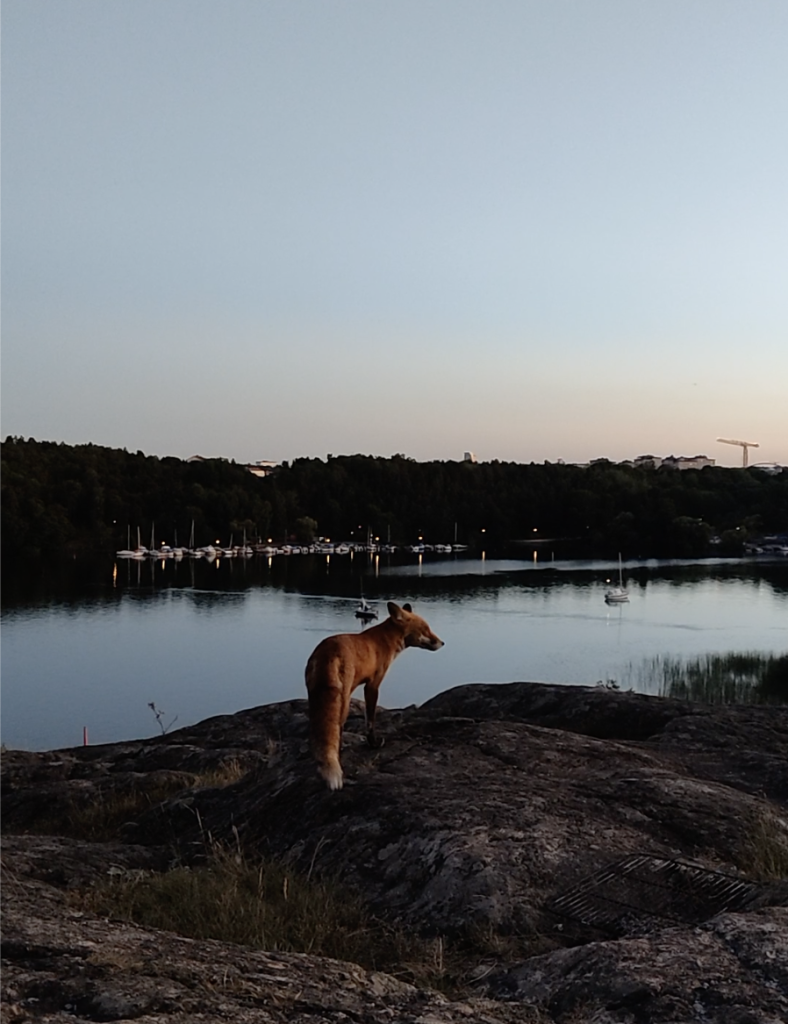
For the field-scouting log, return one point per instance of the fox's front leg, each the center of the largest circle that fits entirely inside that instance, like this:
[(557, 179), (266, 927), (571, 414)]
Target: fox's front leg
[(371, 704)]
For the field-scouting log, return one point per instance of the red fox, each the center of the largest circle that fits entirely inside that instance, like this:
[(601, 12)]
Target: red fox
[(341, 663)]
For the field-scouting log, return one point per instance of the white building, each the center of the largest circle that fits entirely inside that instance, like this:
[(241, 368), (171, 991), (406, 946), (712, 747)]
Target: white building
[(263, 467), (687, 462)]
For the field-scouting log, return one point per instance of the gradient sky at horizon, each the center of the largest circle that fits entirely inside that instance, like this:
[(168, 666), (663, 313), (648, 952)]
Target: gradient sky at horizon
[(269, 229)]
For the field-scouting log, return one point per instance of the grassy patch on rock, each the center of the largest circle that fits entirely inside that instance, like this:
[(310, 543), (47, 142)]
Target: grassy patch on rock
[(98, 814), (270, 906)]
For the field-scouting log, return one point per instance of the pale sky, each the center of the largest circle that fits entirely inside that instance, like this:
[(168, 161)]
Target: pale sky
[(534, 229)]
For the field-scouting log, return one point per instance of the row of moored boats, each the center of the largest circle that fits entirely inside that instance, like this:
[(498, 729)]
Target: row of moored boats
[(211, 551)]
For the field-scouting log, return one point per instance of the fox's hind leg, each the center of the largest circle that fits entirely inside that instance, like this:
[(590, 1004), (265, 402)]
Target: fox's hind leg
[(370, 706)]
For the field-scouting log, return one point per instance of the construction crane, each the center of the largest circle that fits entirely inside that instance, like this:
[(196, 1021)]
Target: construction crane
[(744, 445)]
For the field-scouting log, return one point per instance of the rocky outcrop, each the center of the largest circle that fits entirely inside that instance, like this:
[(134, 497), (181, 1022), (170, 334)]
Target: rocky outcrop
[(635, 847), (732, 969)]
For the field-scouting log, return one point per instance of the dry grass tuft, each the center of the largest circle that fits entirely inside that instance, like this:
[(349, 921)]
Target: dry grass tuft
[(765, 855), (269, 906), (227, 773)]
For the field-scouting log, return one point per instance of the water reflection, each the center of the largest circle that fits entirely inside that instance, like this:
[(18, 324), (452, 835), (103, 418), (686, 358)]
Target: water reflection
[(81, 583), (95, 644)]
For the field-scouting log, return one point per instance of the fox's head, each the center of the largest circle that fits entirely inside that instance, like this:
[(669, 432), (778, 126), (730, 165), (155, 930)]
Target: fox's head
[(415, 630)]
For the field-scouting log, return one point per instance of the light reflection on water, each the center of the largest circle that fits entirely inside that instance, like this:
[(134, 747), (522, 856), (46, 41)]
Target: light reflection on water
[(198, 640)]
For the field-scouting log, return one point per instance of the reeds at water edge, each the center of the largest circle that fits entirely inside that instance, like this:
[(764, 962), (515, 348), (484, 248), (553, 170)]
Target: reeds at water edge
[(740, 677)]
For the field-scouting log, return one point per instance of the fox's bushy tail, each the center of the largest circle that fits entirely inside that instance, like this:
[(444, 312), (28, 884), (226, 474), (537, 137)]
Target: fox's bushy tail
[(325, 732)]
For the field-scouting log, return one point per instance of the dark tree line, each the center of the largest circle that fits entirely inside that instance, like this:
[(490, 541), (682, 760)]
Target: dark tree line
[(598, 510), (70, 499), (62, 499)]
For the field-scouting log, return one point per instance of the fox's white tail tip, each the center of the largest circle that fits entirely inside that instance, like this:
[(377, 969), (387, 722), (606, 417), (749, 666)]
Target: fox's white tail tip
[(332, 773)]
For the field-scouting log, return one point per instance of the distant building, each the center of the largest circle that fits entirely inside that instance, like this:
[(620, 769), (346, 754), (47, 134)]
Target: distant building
[(646, 462), (687, 462), (671, 462), (263, 467), (469, 457), (204, 458)]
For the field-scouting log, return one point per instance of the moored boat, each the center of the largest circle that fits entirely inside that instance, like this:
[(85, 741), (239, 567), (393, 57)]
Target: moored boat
[(619, 594), (365, 611)]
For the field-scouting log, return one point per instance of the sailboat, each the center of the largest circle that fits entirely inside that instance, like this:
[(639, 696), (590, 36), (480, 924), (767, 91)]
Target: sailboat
[(165, 551), (177, 552), (244, 551), (192, 550), (365, 611), (619, 594), (126, 552), (455, 546), (140, 551)]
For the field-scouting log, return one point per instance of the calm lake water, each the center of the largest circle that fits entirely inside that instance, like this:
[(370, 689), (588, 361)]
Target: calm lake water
[(93, 647)]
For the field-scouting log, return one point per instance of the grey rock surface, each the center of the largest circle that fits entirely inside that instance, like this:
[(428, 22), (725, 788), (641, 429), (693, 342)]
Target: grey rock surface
[(733, 968), (483, 809)]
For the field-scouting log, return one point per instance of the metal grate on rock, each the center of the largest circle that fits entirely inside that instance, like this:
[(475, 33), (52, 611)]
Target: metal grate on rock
[(640, 889)]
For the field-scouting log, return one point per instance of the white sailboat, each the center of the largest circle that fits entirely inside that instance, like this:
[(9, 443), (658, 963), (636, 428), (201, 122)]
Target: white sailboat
[(140, 551), (165, 551), (192, 550), (177, 551), (128, 551), (244, 551), (619, 594), (365, 611)]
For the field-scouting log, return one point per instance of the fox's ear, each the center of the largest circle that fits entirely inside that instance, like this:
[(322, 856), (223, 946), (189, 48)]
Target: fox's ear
[(407, 608), (394, 611)]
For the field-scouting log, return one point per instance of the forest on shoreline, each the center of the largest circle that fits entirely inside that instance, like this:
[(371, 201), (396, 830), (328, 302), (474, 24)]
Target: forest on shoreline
[(66, 500)]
